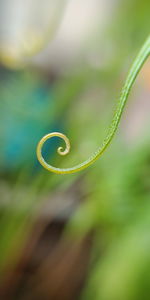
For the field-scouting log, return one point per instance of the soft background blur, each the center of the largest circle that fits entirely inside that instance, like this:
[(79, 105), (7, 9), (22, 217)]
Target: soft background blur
[(82, 236)]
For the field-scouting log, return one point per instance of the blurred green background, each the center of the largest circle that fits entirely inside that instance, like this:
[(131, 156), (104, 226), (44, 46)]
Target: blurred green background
[(87, 235)]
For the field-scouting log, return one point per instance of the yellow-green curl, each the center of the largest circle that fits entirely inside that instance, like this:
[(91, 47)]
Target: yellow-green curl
[(135, 69)]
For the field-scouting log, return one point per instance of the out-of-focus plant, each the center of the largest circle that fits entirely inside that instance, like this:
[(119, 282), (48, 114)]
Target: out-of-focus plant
[(27, 29), (120, 261)]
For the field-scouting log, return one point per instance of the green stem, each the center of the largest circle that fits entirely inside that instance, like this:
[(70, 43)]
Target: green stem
[(135, 69)]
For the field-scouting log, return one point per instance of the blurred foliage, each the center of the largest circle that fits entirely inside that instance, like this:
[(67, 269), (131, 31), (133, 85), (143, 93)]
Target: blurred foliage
[(29, 31)]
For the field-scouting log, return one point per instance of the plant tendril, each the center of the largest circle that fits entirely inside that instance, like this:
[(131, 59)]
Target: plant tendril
[(135, 69)]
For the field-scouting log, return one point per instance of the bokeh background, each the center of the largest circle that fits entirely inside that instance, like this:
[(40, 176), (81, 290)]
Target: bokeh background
[(86, 235)]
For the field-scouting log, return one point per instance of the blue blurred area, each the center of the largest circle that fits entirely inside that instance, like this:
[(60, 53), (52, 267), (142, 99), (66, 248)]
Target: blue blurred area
[(26, 114)]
